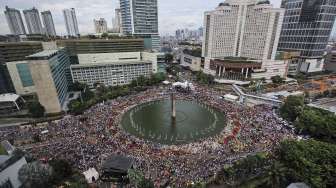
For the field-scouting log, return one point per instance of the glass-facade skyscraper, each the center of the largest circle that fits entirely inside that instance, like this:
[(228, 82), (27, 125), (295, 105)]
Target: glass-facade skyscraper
[(48, 23), (15, 22), (33, 21), (140, 18), (307, 26)]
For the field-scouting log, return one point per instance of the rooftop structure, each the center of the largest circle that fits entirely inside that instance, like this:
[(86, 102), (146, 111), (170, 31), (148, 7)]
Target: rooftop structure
[(85, 46), (10, 103)]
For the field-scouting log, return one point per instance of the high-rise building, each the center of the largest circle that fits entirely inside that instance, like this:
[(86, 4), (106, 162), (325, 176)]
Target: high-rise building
[(100, 25), (33, 21), (49, 70), (117, 21), (48, 23), (242, 28), (71, 22), (14, 21), (140, 18), (307, 28)]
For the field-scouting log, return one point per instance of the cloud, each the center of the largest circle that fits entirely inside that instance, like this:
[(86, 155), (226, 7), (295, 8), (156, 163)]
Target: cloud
[(173, 14)]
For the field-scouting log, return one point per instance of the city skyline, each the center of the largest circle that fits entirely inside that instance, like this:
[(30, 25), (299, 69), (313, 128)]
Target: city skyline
[(188, 14)]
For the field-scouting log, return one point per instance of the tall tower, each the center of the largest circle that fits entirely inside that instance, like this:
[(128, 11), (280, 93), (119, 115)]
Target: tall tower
[(307, 27), (14, 21), (71, 22), (140, 18), (100, 25), (33, 21), (242, 28), (117, 21), (48, 23)]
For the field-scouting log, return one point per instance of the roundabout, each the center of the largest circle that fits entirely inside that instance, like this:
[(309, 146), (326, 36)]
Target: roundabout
[(152, 121), (208, 133)]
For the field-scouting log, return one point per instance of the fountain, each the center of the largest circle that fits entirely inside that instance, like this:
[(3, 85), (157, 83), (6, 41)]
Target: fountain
[(173, 121)]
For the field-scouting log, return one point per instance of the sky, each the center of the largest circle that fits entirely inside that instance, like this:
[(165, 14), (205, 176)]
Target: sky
[(173, 14)]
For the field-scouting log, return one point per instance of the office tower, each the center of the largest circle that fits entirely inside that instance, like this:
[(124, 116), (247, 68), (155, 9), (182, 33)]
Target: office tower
[(48, 23), (14, 21), (117, 21), (306, 28), (242, 28), (71, 22), (33, 21), (100, 25), (49, 70), (140, 18)]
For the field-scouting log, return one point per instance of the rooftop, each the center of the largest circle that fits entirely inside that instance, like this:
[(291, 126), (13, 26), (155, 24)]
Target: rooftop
[(44, 54), (9, 97), (110, 63), (118, 163), (4, 158)]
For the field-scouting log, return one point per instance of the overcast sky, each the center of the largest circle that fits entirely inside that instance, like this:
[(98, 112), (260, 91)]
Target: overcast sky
[(173, 14)]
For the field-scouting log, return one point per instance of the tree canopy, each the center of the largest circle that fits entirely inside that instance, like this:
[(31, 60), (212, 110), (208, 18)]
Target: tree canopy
[(35, 175), (312, 162), (292, 107), (36, 109), (204, 78), (317, 123), (277, 80)]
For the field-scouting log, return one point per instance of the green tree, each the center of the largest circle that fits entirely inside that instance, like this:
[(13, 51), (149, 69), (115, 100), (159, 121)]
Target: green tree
[(36, 109), (61, 170), (104, 35), (35, 175), (77, 86), (292, 107), (75, 106), (310, 161), (277, 80), (317, 123), (169, 58), (276, 176)]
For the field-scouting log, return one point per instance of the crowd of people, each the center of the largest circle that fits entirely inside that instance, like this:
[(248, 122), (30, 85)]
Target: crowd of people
[(89, 139)]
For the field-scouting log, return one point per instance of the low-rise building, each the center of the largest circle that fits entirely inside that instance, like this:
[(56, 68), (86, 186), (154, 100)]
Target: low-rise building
[(10, 103), (112, 69), (271, 68), (191, 62), (330, 62)]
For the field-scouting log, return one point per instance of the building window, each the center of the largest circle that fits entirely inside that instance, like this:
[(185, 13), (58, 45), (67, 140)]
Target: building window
[(25, 74)]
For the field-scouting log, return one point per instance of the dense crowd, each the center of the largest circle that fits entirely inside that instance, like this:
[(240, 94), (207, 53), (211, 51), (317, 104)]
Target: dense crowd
[(89, 139)]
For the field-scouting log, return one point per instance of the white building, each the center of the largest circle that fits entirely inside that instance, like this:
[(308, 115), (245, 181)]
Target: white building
[(117, 21), (14, 21), (270, 68), (191, 62), (11, 102), (242, 28), (100, 25), (48, 23), (112, 69), (71, 22), (33, 21)]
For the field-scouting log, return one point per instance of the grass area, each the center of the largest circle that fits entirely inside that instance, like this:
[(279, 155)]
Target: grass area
[(3, 151)]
